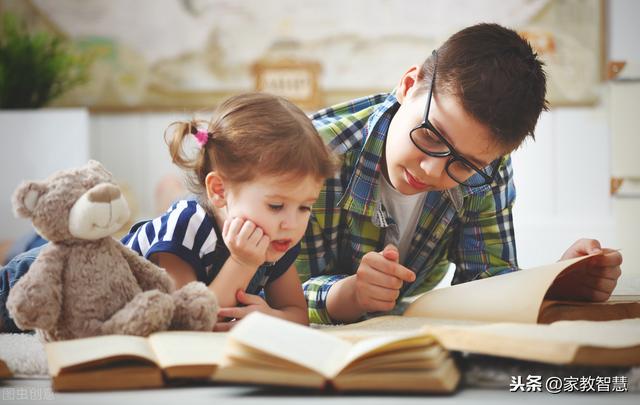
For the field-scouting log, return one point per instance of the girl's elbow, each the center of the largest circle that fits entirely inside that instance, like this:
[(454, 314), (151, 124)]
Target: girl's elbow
[(302, 315)]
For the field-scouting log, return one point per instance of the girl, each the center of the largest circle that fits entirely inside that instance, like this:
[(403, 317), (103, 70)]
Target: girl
[(259, 168)]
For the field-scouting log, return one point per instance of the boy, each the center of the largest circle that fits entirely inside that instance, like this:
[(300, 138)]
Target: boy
[(427, 180)]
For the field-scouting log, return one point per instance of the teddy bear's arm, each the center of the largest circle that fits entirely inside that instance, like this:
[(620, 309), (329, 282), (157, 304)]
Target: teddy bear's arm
[(149, 276), (36, 299)]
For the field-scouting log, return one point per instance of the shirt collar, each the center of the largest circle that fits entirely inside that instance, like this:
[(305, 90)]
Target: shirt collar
[(362, 193)]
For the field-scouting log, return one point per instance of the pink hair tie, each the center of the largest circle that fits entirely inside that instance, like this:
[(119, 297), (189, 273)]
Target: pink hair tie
[(202, 137)]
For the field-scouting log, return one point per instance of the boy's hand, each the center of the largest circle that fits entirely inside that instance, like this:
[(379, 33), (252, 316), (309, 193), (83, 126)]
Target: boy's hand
[(227, 317), (593, 279), (379, 279), (246, 242)]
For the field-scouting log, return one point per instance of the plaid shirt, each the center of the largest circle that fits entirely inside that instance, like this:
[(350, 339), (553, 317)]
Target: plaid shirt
[(471, 227)]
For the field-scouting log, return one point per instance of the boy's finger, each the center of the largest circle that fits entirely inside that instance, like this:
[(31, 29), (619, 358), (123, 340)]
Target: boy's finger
[(609, 272), (404, 273), (390, 252), (382, 279), (380, 263), (383, 293), (599, 283), (608, 259), (586, 247)]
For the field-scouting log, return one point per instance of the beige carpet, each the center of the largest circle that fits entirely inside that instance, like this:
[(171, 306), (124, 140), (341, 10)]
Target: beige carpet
[(24, 355)]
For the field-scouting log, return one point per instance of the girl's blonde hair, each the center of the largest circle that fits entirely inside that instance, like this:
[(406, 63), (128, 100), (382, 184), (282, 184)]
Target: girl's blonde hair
[(249, 135)]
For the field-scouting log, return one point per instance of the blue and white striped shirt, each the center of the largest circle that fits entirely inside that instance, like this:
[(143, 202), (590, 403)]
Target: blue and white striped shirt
[(189, 232)]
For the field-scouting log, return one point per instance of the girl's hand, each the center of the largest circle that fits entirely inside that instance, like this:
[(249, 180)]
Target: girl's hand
[(246, 242), (252, 303)]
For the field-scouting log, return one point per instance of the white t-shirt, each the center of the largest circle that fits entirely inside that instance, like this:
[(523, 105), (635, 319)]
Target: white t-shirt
[(405, 211)]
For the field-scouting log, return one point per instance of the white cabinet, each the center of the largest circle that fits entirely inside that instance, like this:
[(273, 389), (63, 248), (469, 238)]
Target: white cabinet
[(34, 144)]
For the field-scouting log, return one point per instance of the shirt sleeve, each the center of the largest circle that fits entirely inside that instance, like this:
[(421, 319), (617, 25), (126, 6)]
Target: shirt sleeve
[(315, 265), (484, 245), (185, 231)]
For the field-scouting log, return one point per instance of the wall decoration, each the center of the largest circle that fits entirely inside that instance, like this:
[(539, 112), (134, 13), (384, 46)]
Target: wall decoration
[(192, 53)]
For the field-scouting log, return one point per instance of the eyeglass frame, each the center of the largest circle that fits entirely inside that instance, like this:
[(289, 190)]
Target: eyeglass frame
[(455, 155)]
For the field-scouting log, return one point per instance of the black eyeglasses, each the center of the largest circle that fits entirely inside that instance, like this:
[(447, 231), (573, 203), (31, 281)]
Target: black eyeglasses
[(427, 138)]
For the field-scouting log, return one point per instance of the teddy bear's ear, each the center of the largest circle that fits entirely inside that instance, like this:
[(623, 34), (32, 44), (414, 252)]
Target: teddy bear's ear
[(97, 166), (26, 196)]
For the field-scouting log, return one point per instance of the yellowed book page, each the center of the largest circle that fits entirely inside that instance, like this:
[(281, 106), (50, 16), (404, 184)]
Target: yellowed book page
[(553, 343), (245, 373), (382, 346), (236, 352), (75, 352), (512, 297), (422, 358), (292, 342), (388, 325), (245, 365), (125, 377), (442, 379), (184, 348)]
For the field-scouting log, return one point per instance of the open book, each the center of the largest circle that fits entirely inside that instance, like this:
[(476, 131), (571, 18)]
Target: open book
[(518, 297), (4, 370), (121, 362), (260, 349), (267, 350), (508, 316)]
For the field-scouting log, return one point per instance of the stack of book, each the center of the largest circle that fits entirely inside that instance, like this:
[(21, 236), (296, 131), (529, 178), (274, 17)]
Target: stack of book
[(503, 316)]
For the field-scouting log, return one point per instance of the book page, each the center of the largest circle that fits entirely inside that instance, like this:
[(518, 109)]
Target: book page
[(387, 325), (416, 358), (443, 378), (614, 308), (293, 342), (555, 343), (128, 376), (185, 348), (511, 297), (610, 334), (382, 344), (68, 353)]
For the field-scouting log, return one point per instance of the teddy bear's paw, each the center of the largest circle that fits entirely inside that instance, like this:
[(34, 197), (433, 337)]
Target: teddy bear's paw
[(196, 308), (147, 312), (27, 316)]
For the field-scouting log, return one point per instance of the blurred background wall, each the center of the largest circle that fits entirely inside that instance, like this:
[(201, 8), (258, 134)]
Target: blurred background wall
[(165, 68)]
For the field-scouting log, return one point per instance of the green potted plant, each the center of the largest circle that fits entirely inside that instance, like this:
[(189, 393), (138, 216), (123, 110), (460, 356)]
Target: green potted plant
[(35, 68)]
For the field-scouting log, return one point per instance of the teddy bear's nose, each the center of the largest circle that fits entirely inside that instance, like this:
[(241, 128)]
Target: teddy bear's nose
[(104, 193)]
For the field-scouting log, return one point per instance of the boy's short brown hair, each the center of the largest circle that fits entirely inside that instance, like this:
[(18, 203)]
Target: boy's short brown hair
[(496, 75)]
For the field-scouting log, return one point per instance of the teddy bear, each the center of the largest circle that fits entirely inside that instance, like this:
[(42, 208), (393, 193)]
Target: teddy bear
[(86, 283)]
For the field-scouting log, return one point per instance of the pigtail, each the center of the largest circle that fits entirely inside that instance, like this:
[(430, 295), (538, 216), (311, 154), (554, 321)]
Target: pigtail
[(179, 137), (174, 136)]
